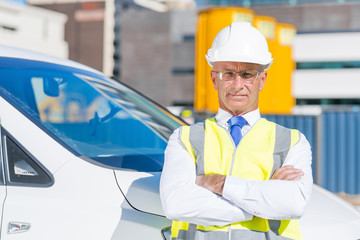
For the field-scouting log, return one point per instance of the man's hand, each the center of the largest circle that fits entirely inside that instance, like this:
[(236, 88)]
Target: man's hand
[(288, 173), (213, 182)]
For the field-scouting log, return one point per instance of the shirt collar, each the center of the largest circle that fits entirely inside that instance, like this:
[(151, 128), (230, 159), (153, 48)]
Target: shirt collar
[(251, 117)]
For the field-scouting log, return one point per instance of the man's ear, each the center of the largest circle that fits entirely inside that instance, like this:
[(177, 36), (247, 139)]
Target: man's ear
[(263, 78), (213, 79)]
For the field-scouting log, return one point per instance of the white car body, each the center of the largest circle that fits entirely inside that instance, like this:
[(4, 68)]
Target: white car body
[(85, 199)]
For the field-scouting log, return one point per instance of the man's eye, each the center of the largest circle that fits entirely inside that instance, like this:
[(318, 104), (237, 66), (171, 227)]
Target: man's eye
[(248, 75), (228, 74)]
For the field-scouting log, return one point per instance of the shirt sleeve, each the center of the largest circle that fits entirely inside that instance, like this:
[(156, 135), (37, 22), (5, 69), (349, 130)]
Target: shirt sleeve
[(275, 199), (183, 200)]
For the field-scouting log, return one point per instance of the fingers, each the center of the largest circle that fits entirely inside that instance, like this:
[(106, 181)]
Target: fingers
[(288, 173), (200, 180), (214, 182), (207, 180)]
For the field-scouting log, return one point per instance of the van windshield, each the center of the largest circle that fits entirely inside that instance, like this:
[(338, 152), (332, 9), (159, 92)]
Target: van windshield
[(95, 117)]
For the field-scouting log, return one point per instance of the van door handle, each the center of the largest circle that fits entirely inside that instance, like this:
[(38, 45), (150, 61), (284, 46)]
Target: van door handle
[(18, 227)]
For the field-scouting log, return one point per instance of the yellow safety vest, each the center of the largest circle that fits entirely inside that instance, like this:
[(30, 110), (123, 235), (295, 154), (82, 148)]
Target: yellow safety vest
[(261, 151)]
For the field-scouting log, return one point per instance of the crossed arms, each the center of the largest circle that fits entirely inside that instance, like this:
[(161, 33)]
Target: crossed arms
[(221, 200)]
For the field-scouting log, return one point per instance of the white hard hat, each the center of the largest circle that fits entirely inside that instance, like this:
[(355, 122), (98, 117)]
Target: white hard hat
[(240, 42)]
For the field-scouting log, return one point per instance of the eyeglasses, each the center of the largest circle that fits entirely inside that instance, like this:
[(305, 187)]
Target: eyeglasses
[(246, 75)]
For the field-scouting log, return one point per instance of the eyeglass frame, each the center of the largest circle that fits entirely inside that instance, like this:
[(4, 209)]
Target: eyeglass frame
[(221, 72)]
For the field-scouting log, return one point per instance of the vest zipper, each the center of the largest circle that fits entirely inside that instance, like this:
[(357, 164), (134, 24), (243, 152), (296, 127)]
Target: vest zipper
[(231, 167), (235, 147), (234, 153), (229, 232)]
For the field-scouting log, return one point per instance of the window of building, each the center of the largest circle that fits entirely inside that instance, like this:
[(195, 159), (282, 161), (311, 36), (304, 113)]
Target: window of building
[(328, 101), (328, 65)]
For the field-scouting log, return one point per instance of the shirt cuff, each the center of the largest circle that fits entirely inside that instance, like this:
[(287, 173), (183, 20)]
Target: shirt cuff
[(233, 188), (236, 190)]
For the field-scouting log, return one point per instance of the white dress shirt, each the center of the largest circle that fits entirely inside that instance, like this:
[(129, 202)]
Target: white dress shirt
[(242, 199)]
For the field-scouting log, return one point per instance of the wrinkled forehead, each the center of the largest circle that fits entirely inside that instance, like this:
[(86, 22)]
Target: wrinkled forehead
[(237, 66)]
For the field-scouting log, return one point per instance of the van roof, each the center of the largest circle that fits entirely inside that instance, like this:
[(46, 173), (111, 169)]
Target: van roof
[(13, 52)]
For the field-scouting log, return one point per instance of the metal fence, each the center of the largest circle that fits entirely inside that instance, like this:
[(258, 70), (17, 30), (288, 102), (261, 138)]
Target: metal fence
[(335, 139), (341, 152), (305, 124)]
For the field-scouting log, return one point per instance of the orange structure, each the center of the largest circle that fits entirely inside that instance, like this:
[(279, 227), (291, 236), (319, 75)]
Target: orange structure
[(210, 22), (276, 97)]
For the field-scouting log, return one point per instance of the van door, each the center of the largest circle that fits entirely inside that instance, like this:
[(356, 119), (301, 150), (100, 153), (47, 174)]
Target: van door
[(2, 179)]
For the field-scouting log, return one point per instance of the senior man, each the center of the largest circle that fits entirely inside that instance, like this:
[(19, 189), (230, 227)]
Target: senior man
[(237, 175)]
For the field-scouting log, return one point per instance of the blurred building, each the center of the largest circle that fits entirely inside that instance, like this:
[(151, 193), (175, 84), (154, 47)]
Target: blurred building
[(84, 29), (158, 54), (328, 69), (33, 28), (325, 49), (153, 51), (149, 50)]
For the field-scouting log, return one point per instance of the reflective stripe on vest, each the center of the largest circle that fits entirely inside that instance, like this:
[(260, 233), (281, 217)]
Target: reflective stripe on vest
[(215, 235), (261, 151)]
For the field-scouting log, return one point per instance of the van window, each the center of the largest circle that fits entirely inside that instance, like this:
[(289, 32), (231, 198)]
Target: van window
[(96, 117), (22, 168)]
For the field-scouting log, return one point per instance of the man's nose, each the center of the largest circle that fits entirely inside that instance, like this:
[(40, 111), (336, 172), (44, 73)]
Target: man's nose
[(238, 82)]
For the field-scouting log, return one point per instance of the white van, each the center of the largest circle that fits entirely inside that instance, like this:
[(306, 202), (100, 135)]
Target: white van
[(81, 158)]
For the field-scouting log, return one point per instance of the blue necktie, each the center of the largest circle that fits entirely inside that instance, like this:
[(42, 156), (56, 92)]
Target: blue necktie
[(236, 123)]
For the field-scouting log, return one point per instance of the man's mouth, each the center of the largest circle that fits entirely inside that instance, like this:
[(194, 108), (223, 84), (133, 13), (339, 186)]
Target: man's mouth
[(237, 95)]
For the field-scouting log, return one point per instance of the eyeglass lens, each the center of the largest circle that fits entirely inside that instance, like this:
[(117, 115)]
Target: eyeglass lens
[(247, 75)]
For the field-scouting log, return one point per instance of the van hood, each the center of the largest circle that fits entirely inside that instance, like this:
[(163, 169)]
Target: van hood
[(327, 216)]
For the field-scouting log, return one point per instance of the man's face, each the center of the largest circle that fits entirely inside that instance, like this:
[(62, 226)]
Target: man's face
[(238, 96)]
